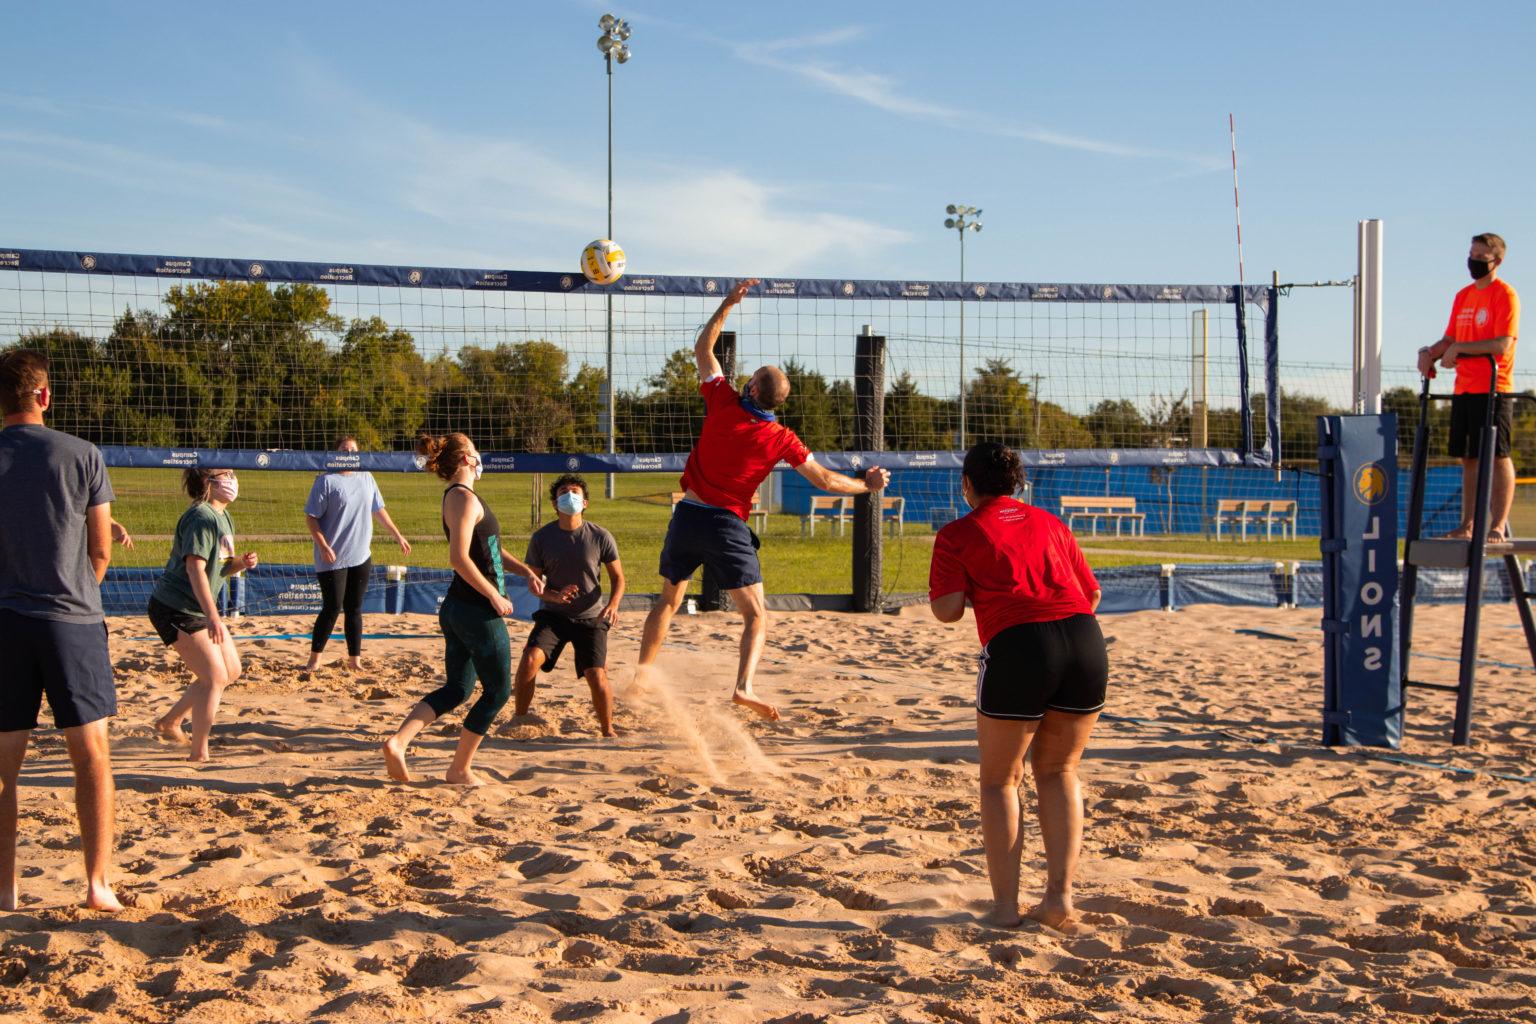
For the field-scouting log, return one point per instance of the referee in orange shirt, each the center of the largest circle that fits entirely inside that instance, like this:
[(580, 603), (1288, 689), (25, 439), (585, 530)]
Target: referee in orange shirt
[(1485, 321)]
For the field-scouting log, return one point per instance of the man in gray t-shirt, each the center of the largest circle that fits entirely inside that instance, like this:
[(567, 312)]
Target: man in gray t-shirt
[(569, 554), (55, 544)]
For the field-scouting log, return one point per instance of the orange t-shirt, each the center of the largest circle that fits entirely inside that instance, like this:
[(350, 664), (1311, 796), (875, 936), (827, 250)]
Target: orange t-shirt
[(1482, 314)]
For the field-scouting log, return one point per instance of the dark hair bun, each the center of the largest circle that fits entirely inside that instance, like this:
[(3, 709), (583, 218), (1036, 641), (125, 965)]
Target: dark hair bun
[(993, 469)]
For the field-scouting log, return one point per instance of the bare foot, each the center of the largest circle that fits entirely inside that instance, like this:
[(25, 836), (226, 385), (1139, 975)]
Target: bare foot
[(198, 757), (172, 732), (9, 900), (1003, 917), (356, 665), (1056, 912), (465, 778), (394, 761), (761, 707), (102, 898), (1460, 533)]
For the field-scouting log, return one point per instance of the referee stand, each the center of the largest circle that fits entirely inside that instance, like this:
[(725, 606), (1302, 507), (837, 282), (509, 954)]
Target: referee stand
[(1447, 553)]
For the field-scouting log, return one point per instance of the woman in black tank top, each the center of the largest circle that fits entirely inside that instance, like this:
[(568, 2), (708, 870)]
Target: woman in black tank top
[(472, 615)]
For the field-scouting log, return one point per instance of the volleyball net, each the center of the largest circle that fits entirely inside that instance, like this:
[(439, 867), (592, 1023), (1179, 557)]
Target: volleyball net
[(166, 362)]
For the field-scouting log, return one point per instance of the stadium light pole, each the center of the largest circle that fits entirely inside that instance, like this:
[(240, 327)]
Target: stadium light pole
[(614, 44), (957, 220)]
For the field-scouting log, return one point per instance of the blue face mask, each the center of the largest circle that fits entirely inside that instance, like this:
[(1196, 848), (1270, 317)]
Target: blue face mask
[(749, 404), (569, 502)]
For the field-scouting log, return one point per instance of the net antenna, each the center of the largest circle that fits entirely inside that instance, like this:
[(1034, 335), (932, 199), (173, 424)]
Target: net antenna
[(1237, 206)]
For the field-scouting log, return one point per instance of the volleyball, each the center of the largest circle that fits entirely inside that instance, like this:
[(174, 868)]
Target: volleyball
[(603, 261)]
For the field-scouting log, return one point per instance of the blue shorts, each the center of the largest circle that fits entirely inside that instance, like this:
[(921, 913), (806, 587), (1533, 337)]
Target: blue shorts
[(66, 661), (715, 538)]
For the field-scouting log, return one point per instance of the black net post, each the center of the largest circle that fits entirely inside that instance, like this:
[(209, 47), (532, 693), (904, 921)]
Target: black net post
[(868, 436), (712, 598)]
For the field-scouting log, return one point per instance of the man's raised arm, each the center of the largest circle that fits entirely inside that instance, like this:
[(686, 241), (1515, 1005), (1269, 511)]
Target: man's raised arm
[(704, 348)]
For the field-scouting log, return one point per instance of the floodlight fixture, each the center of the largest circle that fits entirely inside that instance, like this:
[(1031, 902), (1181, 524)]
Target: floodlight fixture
[(957, 221), (615, 50)]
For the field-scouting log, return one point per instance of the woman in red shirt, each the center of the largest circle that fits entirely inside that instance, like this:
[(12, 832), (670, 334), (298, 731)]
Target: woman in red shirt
[(1043, 670)]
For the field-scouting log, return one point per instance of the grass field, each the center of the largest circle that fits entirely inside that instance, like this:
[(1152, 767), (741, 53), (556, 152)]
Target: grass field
[(269, 518)]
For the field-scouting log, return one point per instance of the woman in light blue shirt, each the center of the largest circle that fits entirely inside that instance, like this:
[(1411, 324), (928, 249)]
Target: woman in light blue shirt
[(340, 513)]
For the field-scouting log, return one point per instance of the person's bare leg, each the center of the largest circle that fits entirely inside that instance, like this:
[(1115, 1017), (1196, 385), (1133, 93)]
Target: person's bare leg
[(602, 699), (13, 750), (90, 752), (462, 772), (1463, 529), (526, 681), (657, 622), (210, 669), (753, 607), (1503, 498), (1003, 743), (1057, 750), (396, 746)]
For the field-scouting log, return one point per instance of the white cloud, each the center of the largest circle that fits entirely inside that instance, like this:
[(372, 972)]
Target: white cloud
[(884, 93)]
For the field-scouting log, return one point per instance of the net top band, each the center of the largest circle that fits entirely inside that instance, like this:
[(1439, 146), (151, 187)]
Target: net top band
[(57, 261)]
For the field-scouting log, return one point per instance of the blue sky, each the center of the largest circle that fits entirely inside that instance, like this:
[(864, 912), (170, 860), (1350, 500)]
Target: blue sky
[(790, 139)]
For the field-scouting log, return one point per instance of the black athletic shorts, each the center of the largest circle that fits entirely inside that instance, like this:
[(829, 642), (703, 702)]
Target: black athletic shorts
[(1035, 667), (553, 631), (1468, 414), (67, 662), (714, 537), (170, 623)]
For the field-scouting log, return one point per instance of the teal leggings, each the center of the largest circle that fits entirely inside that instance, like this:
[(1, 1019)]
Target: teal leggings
[(476, 645)]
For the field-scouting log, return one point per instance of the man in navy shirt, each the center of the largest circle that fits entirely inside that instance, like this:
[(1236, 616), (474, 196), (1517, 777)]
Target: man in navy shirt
[(55, 543)]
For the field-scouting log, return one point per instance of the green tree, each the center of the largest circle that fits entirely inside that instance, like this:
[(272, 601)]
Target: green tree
[(998, 406), (89, 393), (1116, 423), (914, 421), (818, 412), (384, 384)]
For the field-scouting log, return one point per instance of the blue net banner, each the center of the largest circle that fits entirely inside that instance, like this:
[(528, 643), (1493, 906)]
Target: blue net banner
[(669, 462), (55, 261)]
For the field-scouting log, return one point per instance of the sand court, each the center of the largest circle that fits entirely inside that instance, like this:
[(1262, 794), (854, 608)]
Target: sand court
[(710, 866)]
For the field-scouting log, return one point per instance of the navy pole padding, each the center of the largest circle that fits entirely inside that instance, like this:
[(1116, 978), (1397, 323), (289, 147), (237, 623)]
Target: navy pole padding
[(1362, 681)]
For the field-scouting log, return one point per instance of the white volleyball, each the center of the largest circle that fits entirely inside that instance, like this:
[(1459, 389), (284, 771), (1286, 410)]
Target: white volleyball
[(603, 261)]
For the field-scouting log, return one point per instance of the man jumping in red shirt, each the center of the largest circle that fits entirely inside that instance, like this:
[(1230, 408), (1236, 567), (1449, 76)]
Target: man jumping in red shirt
[(742, 441)]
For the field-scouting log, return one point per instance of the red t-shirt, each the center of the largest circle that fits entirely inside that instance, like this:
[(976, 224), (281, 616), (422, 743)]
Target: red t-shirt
[(1017, 563), (1482, 314), (736, 450)]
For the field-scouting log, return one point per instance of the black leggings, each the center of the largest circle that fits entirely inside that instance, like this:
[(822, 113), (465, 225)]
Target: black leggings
[(341, 590)]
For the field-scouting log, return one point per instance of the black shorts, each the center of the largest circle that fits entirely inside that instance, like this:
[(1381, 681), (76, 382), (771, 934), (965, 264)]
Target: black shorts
[(170, 623), (1468, 414), (66, 661), (716, 538), (552, 631), (1035, 667)]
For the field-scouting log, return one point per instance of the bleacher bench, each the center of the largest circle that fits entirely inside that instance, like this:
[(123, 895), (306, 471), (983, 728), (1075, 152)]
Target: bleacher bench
[(758, 516), (1095, 509), (893, 511), (1240, 512), (838, 508)]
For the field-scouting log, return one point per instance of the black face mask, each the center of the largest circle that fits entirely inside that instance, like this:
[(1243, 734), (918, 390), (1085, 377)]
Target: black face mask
[(1478, 268)]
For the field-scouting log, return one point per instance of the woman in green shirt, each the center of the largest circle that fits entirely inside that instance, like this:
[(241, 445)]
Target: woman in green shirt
[(184, 607)]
